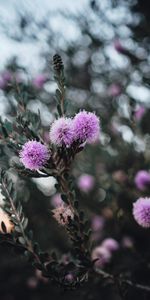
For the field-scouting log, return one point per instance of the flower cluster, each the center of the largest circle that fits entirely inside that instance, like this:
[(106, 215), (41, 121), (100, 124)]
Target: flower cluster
[(34, 155), (62, 214), (141, 212), (84, 127)]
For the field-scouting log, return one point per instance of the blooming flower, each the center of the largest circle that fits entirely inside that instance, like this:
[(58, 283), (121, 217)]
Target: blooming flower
[(141, 212), (86, 127), (34, 155), (62, 214), (85, 182), (102, 254), (61, 132), (110, 244), (6, 220), (142, 179)]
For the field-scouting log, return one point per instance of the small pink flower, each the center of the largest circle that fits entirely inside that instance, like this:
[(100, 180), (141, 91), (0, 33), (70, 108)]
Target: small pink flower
[(61, 132), (86, 127), (39, 81), (110, 244), (62, 214), (142, 180), (141, 212), (139, 113), (97, 223), (34, 155), (114, 90), (102, 254), (86, 182)]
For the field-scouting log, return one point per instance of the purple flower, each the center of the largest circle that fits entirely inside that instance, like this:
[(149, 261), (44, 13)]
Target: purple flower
[(102, 255), (114, 90), (139, 113), (39, 81), (141, 212), (61, 132), (110, 244), (142, 179), (85, 182), (34, 155), (5, 78), (97, 223), (86, 127)]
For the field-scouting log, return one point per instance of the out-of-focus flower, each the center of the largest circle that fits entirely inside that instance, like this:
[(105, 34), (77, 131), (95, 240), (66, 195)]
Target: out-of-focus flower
[(102, 254), (141, 212), (139, 113), (40, 80), (114, 90), (142, 179), (61, 132), (110, 244), (34, 155), (5, 78), (119, 176), (6, 220), (86, 127), (127, 242), (56, 200), (62, 214), (69, 277), (97, 223), (85, 183)]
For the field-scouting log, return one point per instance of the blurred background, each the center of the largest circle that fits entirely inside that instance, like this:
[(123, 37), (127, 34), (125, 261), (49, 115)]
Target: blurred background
[(105, 47)]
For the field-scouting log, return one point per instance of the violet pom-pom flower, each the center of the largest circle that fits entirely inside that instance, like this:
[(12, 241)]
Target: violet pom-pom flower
[(142, 179), (101, 255), (34, 155), (86, 127), (110, 244), (61, 132), (141, 212)]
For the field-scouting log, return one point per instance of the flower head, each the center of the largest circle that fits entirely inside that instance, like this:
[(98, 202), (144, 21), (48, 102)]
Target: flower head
[(34, 155), (142, 179), (110, 244), (61, 132), (141, 212), (102, 255), (62, 214), (86, 127), (6, 220), (85, 182)]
